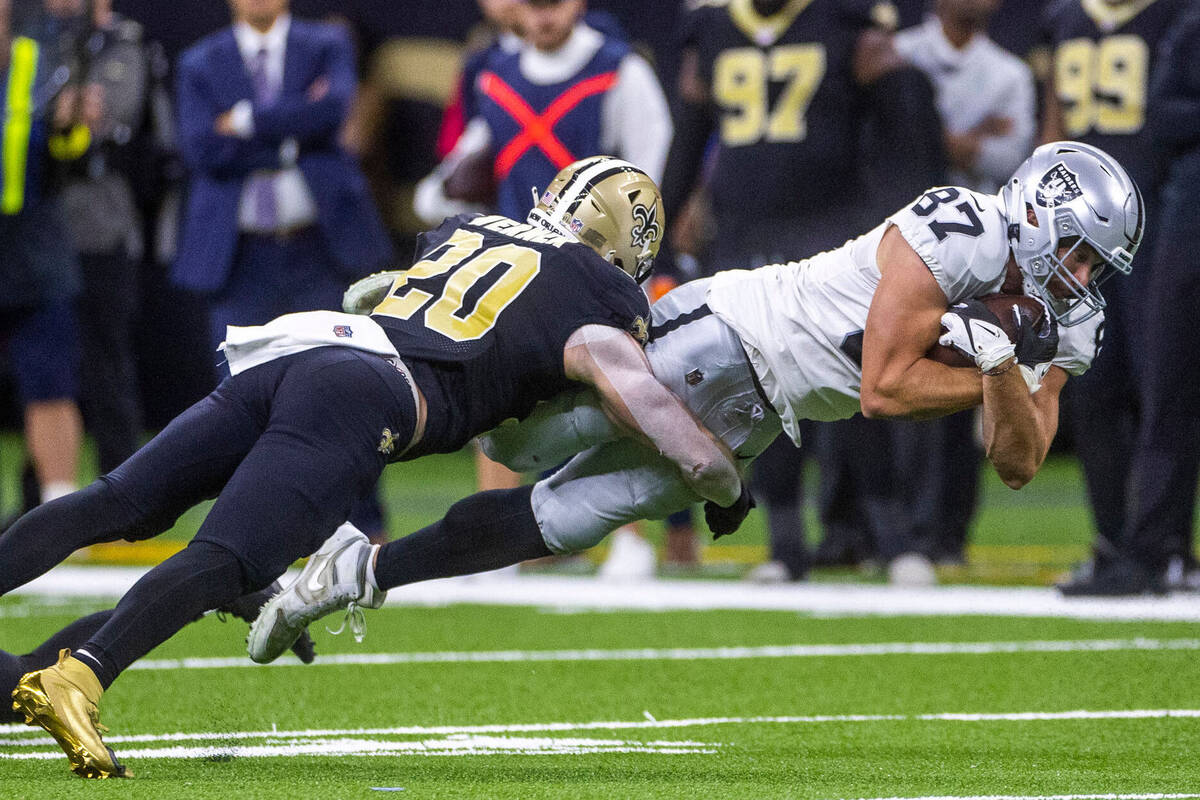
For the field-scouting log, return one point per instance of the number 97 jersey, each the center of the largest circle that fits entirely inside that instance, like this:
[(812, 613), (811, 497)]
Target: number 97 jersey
[(786, 103), (483, 318)]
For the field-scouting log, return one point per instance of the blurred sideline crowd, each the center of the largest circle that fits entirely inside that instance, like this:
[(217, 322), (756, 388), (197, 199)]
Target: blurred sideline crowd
[(165, 173)]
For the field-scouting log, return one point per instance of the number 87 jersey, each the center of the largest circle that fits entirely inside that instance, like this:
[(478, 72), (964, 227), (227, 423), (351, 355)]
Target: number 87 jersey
[(803, 322), (483, 317)]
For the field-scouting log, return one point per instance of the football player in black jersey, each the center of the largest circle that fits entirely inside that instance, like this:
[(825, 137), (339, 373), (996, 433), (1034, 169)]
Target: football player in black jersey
[(1102, 55), (785, 89), (1166, 461), (494, 316)]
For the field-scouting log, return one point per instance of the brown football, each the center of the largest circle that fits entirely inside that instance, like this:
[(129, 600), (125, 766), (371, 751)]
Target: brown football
[(473, 180), (1005, 307)]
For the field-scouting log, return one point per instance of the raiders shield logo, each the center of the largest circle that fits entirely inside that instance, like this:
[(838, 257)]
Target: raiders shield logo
[(1057, 187), (645, 226)]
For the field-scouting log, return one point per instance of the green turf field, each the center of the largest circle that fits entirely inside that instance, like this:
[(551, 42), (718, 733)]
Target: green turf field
[(1009, 544), (542, 720)]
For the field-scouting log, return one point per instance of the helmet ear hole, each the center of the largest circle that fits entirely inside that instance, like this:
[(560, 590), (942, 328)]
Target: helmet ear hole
[(1031, 216)]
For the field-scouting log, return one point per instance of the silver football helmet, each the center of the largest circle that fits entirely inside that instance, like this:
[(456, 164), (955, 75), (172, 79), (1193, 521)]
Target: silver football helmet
[(1070, 189)]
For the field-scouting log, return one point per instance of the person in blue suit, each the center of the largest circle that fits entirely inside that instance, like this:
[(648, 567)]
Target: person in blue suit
[(278, 217)]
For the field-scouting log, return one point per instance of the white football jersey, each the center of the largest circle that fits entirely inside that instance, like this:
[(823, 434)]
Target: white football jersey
[(802, 322)]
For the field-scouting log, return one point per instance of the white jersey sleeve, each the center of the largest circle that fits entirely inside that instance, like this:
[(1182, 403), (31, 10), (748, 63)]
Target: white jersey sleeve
[(961, 235), (1079, 345)]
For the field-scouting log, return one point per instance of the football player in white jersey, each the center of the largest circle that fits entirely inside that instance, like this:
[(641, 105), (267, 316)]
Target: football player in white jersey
[(753, 352)]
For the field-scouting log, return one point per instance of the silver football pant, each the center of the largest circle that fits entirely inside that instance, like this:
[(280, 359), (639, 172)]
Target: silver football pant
[(614, 481)]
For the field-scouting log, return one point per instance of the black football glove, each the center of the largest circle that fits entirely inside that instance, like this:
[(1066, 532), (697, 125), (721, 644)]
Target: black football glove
[(1036, 343), (724, 520)]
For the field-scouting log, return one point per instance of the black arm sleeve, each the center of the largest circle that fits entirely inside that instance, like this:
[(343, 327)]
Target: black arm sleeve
[(694, 123)]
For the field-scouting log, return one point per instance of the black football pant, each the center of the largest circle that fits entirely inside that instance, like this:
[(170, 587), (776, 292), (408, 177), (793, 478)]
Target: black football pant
[(108, 394), (1166, 462), (1104, 410), (285, 447)]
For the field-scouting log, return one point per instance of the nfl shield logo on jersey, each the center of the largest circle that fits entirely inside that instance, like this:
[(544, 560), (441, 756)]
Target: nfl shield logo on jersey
[(342, 331), (1058, 186)]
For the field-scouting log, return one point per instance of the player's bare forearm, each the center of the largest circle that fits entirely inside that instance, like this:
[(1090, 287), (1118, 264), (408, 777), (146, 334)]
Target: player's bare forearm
[(924, 390), (1017, 426), (904, 321), (612, 362)]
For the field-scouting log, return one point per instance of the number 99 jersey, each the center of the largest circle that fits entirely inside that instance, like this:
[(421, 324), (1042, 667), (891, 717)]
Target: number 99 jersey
[(1103, 55), (483, 317)]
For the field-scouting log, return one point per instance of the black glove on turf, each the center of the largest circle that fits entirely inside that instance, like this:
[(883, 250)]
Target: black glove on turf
[(724, 520)]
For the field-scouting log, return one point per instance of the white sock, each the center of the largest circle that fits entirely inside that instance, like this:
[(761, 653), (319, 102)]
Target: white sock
[(371, 568), (56, 489)]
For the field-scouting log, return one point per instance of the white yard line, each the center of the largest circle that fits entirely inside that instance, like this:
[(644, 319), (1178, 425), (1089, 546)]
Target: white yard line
[(584, 593), (21, 736), (472, 746), (691, 653)]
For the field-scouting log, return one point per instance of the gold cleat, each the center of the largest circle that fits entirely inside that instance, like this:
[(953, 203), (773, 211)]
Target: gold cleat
[(62, 699)]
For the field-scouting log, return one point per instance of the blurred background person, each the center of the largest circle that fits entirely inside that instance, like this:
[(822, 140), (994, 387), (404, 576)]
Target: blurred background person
[(1158, 549), (278, 217), (100, 114), (39, 274), (567, 89), (784, 89), (987, 103), (1103, 54)]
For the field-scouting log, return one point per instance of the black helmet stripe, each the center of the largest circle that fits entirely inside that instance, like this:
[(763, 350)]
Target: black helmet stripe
[(591, 184)]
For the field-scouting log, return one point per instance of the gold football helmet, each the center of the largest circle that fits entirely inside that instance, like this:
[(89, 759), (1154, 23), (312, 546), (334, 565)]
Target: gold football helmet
[(611, 206)]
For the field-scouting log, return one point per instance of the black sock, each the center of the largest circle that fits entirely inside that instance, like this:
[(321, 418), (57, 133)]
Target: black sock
[(200, 577), (49, 533), (485, 531), (13, 667), (72, 636)]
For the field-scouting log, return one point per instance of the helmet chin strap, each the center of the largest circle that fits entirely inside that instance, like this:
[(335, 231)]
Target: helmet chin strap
[(543, 220)]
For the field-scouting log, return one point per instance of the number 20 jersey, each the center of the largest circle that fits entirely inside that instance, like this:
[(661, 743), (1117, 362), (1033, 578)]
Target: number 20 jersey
[(802, 321), (483, 317)]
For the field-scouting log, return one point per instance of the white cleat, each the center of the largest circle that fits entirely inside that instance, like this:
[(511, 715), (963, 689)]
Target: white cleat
[(334, 578)]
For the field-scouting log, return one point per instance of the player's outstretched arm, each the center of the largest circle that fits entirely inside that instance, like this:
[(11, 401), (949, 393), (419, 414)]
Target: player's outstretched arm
[(1018, 426), (904, 321), (612, 362)]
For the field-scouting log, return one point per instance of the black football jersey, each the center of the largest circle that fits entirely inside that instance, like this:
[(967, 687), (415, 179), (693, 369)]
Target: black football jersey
[(483, 316), (788, 109), (1102, 58)]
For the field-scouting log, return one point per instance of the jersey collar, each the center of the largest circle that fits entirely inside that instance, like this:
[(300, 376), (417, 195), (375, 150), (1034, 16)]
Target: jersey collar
[(764, 31), (1109, 17)]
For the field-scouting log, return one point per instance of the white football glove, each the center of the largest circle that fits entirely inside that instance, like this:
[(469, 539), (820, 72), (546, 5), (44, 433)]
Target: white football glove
[(1033, 375), (366, 293), (974, 331)]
